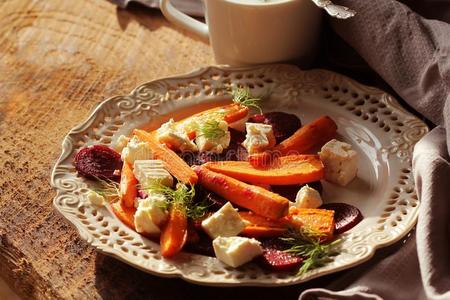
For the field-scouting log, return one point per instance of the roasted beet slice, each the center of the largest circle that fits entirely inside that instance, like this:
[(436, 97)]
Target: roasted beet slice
[(275, 259), (98, 161), (201, 246), (284, 125), (346, 216), (214, 201), (290, 191)]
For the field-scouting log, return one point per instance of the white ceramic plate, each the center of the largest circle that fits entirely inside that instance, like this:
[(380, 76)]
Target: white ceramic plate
[(372, 121)]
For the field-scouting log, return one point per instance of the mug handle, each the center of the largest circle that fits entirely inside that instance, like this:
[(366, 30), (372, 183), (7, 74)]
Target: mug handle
[(177, 17)]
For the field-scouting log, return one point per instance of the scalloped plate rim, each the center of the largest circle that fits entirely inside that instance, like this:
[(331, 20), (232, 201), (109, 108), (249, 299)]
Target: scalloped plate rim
[(178, 274)]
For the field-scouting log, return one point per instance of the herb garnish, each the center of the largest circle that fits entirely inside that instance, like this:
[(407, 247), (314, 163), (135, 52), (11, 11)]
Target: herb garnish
[(211, 130), (307, 244), (244, 97), (108, 189), (182, 198)]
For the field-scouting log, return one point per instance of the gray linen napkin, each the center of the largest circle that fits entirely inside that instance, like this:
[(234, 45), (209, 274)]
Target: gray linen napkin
[(411, 54)]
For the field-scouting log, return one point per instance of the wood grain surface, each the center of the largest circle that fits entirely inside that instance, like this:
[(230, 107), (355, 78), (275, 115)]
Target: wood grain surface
[(58, 59)]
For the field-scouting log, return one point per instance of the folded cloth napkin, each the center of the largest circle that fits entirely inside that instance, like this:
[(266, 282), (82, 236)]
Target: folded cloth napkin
[(411, 54)]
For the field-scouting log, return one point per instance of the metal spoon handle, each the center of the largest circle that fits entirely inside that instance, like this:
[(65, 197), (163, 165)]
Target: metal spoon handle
[(334, 10)]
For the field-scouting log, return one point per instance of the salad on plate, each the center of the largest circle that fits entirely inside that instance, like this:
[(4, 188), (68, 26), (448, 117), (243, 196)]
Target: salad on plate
[(231, 182)]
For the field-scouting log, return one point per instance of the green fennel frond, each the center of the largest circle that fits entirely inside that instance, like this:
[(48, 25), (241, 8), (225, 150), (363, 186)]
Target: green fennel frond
[(307, 244), (108, 189), (182, 197), (244, 97), (211, 130)]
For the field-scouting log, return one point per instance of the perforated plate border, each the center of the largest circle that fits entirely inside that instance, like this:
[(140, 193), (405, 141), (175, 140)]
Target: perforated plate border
[(117, 115)]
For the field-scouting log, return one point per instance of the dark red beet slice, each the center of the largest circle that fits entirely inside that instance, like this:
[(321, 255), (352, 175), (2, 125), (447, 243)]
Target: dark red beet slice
[(275, 259), (290, 191), (284, 125), (98, 161), (346, 216), (214, 201), (203, 246)]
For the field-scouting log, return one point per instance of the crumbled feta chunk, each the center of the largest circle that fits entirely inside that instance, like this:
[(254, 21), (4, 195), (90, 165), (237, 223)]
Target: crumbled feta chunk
[(150, 214), (216, 144), (136, 150), (259, 137), (95, 198), (236, 251), (150, 172), (224, 222), (175, 138), (121, 143), (340, 162), (308, 197)]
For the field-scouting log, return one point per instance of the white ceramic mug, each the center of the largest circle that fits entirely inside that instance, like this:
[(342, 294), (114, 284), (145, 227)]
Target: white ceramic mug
[(246, 32)]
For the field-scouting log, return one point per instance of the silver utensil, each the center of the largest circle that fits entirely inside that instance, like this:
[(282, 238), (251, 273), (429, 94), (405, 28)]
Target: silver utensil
[(334, 10)]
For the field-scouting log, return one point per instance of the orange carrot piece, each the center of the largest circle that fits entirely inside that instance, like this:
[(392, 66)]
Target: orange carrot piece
[(174, 164), (261, 160), (262, 232), (174, 234), (316, 219), (254, 198), (258, 226), (125, 214), (286, 170), (310, 136), (231, 113), (256, 220), (236, 113), (128, 190)]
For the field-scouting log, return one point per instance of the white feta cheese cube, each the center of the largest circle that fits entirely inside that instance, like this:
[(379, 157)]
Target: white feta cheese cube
[(259, 137), (224, 222), (308, 197), (121, 143), (150, 172), (150, 214), (236, 251), (340, 162), (175, 138), (136, 150), (214, 144), (95, 198)]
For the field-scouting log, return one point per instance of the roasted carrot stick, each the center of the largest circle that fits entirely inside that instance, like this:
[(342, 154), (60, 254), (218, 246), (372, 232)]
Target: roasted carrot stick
[(286, 170), (318, 220), (254, 198), (128, 190), (125, 214), (174, 164), (258, 226), (174, 234), (310, 136), (230, 114), (235, 113)]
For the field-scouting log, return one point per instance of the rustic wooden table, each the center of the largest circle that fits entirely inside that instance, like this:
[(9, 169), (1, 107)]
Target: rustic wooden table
[(57, 60)]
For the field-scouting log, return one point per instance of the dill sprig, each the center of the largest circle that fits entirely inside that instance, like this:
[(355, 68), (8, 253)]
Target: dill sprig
[(108, 189), (306, 243), (182, 197), (244, 97), (211, 130)]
